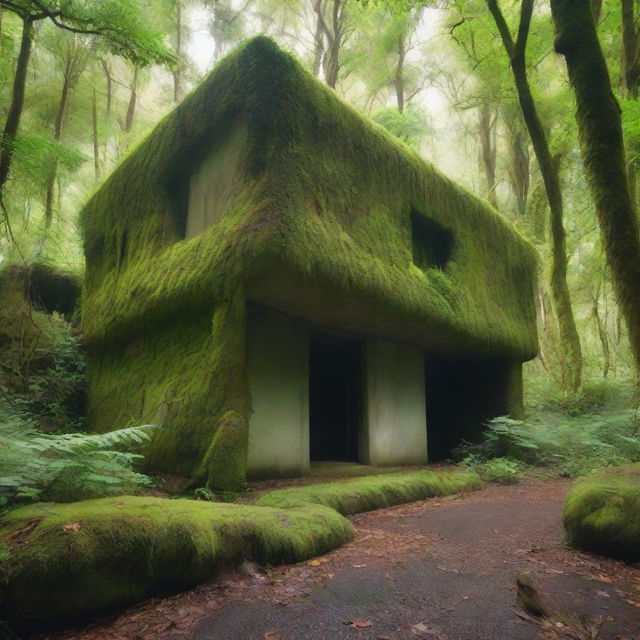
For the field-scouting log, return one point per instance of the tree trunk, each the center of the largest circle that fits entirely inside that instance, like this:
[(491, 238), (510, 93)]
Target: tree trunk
[(57, 135), (177, 72), (318, 39), (398, 80), (549, 170), (131, 109), (17, 102), (109, 81), (630, 70), (96, 146), (599, 124), (486, 129), (519, 173), (333, 34), (602, 333), (630, 62), (596, 7)]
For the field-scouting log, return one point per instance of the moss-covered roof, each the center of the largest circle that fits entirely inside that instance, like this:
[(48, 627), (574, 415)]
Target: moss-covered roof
[(319, 224)]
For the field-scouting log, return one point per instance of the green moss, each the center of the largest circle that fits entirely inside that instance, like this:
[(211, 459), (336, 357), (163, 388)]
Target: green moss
[(226, 461), (68, 562), (602, 513), (372, 492), (320, 210), (129, 548)]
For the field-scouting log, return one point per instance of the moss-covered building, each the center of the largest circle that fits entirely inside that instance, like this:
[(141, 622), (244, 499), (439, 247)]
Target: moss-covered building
[(276, 280)]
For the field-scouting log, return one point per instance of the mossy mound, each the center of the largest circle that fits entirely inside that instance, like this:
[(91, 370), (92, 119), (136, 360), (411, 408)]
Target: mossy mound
[(602, 513), (373, 492), (69, 562)]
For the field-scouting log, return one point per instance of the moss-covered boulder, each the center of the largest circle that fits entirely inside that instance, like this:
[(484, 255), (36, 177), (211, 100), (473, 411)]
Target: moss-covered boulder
[(68, 562), (602, 513)]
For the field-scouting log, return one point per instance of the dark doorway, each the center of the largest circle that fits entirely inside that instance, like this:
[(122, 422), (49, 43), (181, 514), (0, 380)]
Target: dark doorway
[(462, 394), (335, 397)]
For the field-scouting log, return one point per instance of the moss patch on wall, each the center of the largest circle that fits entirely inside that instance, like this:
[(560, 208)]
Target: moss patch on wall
[(602, 513), (63, 563)]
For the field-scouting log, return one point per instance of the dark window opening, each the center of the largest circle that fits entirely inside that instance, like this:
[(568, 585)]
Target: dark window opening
[(335, 397), (431, 243)]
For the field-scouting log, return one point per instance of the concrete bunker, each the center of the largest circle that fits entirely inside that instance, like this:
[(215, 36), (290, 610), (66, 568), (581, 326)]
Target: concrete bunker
[(261, 215)]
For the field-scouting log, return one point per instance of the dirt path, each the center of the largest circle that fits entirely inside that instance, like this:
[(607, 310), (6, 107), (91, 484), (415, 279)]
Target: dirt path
[(441, 569)]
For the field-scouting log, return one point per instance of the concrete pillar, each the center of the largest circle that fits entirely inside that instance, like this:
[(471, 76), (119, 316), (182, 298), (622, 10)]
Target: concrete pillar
[(278, 371), (395, 412)]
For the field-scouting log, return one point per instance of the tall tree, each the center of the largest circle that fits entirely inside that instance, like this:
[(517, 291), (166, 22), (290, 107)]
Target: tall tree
[(118, 21), (332, 21), (599, 124), (516, 50), (75, 56)]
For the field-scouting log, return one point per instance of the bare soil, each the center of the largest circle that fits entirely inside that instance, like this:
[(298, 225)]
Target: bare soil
[(440, 569)]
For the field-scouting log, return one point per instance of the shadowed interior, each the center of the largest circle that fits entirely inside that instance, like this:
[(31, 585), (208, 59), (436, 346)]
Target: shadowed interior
[(335, 397)]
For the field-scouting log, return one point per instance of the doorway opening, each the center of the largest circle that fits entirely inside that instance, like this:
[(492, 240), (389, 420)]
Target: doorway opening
[(462, 394), (336, 366)]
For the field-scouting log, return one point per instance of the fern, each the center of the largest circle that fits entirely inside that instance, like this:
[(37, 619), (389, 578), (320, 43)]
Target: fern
[(66, 467), (574, 445)]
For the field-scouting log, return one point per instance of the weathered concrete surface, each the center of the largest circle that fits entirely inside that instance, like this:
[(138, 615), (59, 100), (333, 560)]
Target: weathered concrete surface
[(278, 367), (214, 187), (395, 411)]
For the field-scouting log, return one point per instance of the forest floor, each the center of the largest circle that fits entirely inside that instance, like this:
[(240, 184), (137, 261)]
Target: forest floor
[(439, 569)]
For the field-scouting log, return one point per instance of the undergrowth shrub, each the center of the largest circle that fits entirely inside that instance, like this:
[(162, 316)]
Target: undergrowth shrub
[(55, 395), (498, 470), (572, 445), (66, 467)]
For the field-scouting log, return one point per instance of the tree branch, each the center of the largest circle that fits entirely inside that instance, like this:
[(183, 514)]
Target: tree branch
[(503, 28)]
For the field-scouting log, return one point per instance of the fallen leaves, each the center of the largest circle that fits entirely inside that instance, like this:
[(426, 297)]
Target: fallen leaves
[(72, 526)]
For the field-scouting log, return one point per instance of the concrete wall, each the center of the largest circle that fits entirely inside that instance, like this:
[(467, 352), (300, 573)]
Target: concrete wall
[(214, 187), (395, 410), (278, 369)]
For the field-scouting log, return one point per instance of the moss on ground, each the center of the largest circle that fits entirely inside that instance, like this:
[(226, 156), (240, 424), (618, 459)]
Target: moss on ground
[(68, 562), (602, 513), (372, 492)]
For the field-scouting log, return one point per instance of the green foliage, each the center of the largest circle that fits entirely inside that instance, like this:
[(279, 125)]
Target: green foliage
[(571, 445), (498, 470), (127, 27), (602, 513), (55, 396), (409, 126), (65, 467)]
